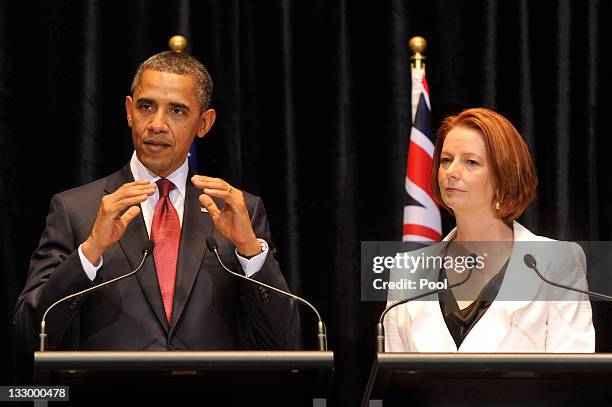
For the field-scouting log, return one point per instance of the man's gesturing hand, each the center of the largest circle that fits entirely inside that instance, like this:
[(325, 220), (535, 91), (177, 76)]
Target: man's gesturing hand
[(110, 223), (233, 220)]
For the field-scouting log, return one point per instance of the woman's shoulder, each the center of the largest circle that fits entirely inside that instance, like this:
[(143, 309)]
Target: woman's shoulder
[(521, 233), (562, 257)]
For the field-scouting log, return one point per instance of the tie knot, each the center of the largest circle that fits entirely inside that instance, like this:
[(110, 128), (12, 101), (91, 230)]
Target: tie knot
[(165, 186)]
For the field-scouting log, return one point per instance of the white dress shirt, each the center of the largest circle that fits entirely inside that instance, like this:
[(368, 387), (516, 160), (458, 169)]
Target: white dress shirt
[(177, 197)]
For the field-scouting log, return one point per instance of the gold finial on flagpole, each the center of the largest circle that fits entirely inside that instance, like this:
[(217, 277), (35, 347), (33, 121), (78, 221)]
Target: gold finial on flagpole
[(177, 43), (418, 45)]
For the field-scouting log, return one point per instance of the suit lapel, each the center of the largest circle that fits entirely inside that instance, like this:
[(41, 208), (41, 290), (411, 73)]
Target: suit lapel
[(132, 243), (197, 226)]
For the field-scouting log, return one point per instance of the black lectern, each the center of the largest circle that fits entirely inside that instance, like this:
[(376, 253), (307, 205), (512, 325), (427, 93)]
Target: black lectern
[(489, 379), (273, 378)]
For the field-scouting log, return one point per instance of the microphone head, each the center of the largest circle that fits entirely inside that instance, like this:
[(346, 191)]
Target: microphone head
[(530, 261), (211, 243), (148, 246)]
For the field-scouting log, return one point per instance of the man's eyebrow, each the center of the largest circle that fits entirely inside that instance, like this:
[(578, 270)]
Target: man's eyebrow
[(172, 104), (145, 100)]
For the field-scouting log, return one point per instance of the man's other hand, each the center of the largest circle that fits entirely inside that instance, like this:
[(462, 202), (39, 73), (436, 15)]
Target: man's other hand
[(233, 220)]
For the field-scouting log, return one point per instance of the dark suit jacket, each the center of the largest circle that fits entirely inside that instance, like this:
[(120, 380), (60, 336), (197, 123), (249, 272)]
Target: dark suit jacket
[(211, 310)]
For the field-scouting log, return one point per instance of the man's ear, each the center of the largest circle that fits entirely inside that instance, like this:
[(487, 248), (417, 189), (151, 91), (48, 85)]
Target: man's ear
[(128, 109), (207, 119)]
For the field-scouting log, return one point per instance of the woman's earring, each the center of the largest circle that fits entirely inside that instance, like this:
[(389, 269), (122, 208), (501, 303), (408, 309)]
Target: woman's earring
[(496, 199)]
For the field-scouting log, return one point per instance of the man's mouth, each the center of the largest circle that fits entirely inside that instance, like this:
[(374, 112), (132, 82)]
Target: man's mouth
[(154, 145)]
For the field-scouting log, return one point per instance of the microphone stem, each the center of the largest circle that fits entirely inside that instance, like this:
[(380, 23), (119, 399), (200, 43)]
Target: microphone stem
[(43, 336), (380, 338), (321, 331), (587, 292), (322, 336), (43, 333), (380, 329), (416, 297)]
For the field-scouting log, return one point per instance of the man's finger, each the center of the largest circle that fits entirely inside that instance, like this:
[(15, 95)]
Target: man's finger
[(202, 182), (204, 178), (131, 192), (221, 185), (134, 190), (121, 204), (130, 215), (135, 184), (232, 197), (210, 205), (139, 182)]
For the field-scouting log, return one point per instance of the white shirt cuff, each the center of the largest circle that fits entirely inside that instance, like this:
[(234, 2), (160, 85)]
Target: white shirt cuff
[(255, 263), (90, 269)]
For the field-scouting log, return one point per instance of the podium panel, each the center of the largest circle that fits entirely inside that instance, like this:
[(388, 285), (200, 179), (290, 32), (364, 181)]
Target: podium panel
[(297, 378), (487, 379)]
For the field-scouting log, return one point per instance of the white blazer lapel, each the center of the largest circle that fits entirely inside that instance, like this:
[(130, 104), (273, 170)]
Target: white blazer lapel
[(519, 287), (427, 326)]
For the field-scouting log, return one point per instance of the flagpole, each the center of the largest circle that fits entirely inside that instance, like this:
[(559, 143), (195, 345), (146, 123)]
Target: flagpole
[(422, 219), (417, 45)]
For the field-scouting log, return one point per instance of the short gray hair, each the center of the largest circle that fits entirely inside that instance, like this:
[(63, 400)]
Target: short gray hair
[(180, 64)]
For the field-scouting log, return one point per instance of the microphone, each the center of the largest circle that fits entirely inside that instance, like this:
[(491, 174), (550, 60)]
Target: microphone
[(147, 249), (380, 329), (211, 243), (530, 262)]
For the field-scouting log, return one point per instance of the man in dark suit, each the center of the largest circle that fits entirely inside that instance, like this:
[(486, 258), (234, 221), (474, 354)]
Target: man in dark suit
[(181, 299)]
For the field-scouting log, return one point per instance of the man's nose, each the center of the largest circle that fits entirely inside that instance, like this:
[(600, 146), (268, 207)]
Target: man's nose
[(158, 124)]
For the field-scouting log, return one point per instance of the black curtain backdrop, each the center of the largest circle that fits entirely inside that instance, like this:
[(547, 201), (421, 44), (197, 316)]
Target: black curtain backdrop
[(313, 103)]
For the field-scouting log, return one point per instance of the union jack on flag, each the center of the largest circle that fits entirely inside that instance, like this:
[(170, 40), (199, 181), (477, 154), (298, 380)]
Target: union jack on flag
[(421, 216)]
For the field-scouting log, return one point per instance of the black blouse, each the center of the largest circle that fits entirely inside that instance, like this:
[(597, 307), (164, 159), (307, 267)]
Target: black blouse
[(461, 321)]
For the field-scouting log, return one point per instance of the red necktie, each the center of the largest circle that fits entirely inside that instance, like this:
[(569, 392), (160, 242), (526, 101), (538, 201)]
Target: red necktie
[(166, 233)]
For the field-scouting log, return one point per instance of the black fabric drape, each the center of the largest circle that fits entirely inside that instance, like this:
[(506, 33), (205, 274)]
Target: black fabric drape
[(313, 102)]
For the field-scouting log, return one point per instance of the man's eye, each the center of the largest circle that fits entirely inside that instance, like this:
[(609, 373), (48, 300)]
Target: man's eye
[(146, 106), (178, 110)]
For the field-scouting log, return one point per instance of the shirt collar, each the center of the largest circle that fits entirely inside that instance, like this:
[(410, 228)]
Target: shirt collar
[(178, 177)]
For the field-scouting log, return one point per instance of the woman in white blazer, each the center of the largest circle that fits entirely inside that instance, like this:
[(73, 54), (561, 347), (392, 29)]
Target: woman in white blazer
[(483, 174)]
